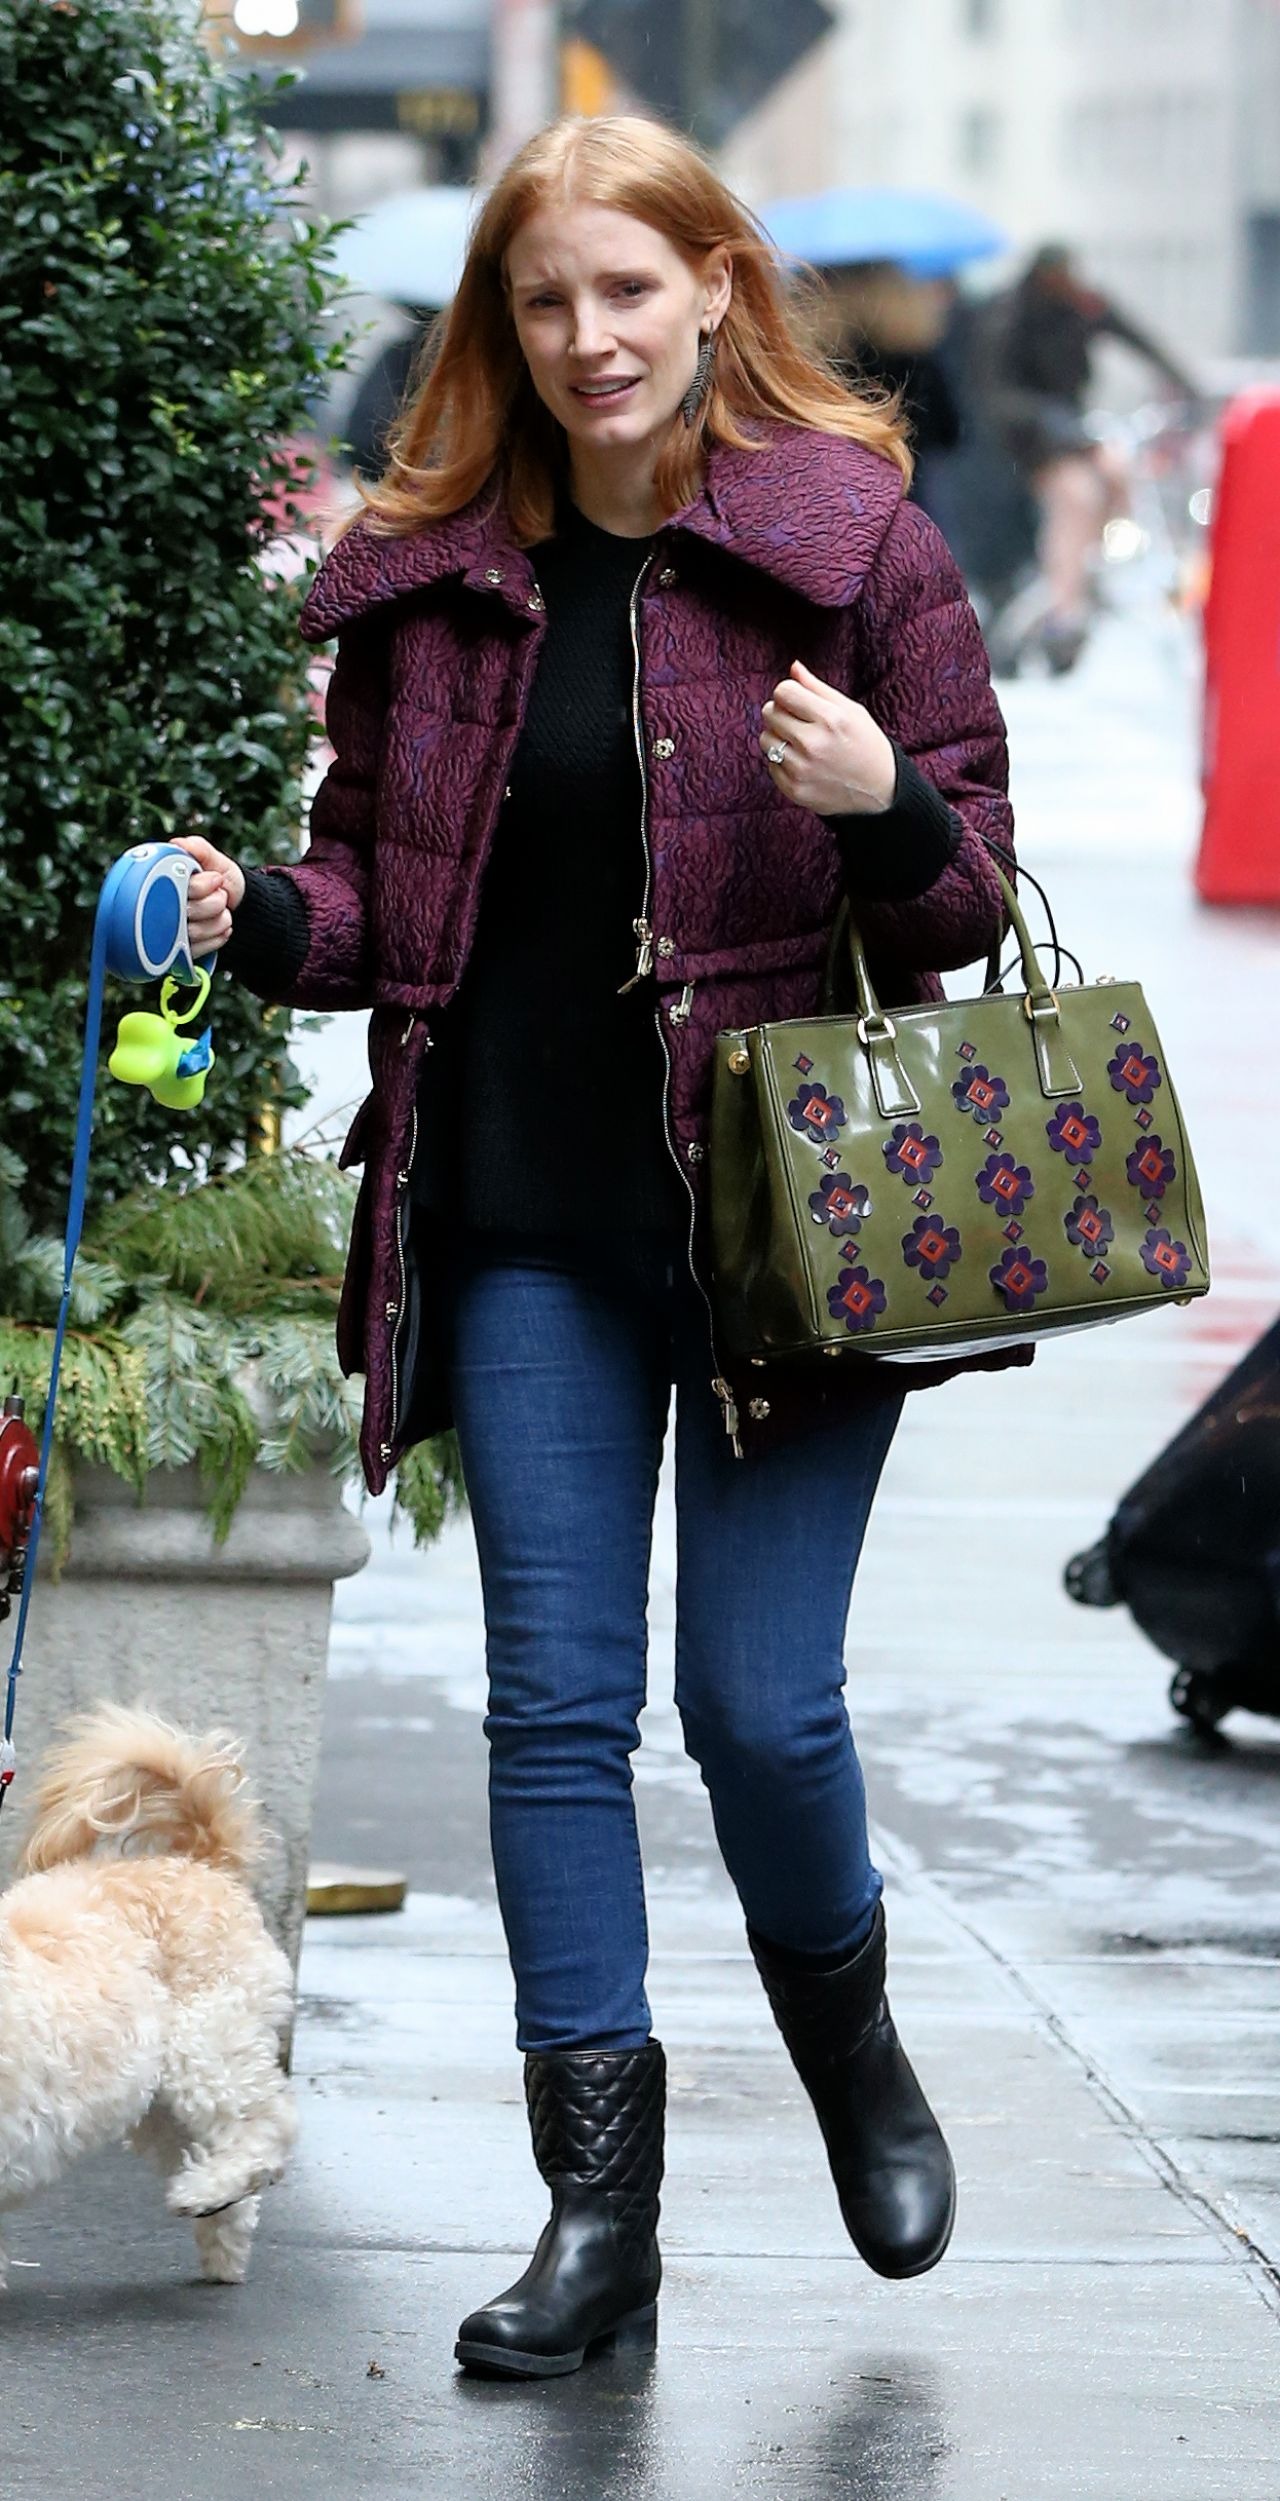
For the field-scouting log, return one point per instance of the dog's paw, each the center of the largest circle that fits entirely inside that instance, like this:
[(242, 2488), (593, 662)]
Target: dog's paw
[(224, 2242)]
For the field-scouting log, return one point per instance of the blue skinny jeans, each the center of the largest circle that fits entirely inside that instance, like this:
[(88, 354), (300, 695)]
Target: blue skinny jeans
[(562, 1362)]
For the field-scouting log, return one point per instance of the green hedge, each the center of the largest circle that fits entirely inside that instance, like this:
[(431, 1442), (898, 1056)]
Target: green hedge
[(165, 330)]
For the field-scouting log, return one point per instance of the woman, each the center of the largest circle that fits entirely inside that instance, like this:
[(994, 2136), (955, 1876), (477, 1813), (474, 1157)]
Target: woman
[(641, 656)]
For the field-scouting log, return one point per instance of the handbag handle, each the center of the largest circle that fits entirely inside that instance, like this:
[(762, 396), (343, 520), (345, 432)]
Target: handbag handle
[(877, 1032)]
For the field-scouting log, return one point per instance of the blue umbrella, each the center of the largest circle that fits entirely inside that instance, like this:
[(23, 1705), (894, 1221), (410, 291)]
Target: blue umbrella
[(922, 231)]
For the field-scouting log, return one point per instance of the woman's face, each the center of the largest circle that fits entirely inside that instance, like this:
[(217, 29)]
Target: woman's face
[(608, 315)]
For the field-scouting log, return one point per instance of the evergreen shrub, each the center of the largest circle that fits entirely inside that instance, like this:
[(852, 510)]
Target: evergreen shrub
[(165, 336)]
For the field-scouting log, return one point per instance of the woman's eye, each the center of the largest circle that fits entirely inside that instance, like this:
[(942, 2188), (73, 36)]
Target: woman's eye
[(632, 288)]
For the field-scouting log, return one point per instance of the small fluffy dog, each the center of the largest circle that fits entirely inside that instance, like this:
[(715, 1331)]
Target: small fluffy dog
[(140, 1994)]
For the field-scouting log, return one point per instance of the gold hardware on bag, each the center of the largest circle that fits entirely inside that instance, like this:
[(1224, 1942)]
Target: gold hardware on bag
[(740, 1062)]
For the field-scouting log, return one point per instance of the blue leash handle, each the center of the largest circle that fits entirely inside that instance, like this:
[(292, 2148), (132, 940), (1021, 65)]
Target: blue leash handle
[(139, 929)]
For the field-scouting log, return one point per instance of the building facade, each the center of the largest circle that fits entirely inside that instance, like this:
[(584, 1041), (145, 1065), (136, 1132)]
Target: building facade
[(1144, 132)]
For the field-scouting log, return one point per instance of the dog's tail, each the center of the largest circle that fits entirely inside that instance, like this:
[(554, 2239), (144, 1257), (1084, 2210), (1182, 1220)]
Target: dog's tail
[(130, 1780)]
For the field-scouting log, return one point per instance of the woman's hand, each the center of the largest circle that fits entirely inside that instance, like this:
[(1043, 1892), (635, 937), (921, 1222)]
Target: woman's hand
[(212, 896), (838, 761)]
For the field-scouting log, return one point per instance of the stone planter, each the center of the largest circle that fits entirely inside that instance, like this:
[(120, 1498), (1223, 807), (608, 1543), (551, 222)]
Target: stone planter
[(150, 1610)]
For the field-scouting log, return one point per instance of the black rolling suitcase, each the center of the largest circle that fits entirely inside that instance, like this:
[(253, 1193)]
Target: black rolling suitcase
[(1193, 1549)]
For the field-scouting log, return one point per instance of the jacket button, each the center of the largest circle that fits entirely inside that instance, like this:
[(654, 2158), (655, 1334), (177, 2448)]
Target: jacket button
[(694, 1152), (393, 1311), (668, 578), (758, 1408), (384, 1450), (665, 946), (402, 1180), (663, 748), (494, 574)]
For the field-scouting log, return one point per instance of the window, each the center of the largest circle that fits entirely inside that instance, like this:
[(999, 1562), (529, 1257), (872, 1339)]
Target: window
[(979, 139)]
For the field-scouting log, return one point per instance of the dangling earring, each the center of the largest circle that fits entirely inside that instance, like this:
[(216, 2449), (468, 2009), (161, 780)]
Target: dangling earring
[(691, 404)]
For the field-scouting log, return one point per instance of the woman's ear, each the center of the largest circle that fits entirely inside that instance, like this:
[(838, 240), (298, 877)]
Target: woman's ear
[(717, 286)]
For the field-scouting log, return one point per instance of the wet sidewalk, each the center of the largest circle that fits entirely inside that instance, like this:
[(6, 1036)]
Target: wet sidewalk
[(1084, 1912)]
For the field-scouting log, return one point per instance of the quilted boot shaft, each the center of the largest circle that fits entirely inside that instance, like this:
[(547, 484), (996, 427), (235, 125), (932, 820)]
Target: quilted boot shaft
[(597, 2122), (889, 2159)]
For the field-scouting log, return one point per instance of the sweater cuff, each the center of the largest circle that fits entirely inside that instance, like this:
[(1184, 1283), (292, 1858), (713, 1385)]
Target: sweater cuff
[(270, 934), (894, 857)]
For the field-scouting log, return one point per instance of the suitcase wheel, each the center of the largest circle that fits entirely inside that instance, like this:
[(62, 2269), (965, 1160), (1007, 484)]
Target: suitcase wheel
[(1200, 1698), (1088, 1578)]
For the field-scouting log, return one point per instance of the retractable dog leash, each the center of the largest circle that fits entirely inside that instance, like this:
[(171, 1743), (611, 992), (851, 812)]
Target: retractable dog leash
[(139, 934)]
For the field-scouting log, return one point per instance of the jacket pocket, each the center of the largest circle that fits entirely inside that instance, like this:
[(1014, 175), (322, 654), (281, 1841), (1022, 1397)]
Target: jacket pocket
[(355, 1145), (353, 1302)]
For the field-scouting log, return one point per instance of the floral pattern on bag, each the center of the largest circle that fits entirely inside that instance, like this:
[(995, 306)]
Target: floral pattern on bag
[(932, 1247), (1089, 1226), (909, 1152), (1004, 1183), (1164, 1258), (857, 1298), (1134, 1072), (1074, 1132), (840, 1203), (1151, 1168), (816, 1114), (1020, 1279), (980, 1094)]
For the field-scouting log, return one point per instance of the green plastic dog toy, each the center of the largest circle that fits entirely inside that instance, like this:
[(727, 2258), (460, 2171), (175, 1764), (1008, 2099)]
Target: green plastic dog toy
[(151, 1051)]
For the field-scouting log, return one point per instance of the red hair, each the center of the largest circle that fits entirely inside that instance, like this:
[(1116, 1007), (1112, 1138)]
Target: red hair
[(476, 412)]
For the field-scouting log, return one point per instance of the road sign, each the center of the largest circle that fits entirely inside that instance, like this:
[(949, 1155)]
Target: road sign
[(706, 63)]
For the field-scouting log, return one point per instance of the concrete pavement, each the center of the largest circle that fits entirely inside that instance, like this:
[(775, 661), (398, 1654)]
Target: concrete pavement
[(1084, 1924)]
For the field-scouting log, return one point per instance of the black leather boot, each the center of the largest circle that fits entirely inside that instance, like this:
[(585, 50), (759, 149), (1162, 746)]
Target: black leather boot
[(889, 2159), (597, 2123)]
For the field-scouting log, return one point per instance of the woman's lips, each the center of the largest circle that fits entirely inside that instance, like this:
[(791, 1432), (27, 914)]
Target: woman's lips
[(602, 394)]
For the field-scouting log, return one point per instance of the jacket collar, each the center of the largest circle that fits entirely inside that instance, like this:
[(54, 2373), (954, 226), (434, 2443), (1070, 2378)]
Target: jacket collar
[(808, 510)]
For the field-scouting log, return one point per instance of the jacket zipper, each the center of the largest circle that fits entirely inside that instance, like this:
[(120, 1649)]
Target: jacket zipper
[(642, 926), (644, 964), (401, 1314)]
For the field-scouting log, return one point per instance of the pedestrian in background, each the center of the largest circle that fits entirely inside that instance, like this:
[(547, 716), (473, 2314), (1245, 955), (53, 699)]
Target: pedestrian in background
[(1033, 366), (888, 327), (643, 660)]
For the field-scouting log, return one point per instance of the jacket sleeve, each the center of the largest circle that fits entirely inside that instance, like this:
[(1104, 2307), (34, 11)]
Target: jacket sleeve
[(926, 679), (327, 964)]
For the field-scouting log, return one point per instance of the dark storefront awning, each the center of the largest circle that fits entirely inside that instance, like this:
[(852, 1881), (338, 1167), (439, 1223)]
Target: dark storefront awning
[(433, 80)]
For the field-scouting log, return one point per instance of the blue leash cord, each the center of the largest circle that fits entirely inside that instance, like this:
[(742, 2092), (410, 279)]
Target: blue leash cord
[(139, 930), (75, 1226)]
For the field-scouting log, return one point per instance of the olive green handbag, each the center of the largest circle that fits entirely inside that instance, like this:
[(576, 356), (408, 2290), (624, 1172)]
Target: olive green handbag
[(952, 1177)]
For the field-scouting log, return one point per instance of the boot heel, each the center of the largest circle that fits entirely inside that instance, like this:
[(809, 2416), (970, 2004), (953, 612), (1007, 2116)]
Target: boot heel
[(636, 2334)]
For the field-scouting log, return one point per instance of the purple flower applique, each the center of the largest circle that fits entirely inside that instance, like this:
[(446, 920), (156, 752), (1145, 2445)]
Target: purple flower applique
[(1019, 1278), (1133, 1072), (980, 1093), (816, 1114), (1074, 1132), (1151, 1168), (1089, 1226), (856, 1298), (911, 1153), (1002, 1183), (931, 1247), (1162, 1257), (839, 1203)]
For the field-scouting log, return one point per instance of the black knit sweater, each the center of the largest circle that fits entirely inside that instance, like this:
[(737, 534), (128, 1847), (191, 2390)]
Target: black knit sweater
[(541, 1105)]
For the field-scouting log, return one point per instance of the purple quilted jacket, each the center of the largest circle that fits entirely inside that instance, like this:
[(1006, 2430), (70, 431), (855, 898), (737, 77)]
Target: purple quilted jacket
[(802, 549)]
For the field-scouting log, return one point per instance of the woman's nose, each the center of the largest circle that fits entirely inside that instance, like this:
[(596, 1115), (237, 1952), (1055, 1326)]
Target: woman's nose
[(591, 333)]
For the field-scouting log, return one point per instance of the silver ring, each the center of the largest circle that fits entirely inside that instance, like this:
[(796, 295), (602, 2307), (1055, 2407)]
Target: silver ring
[(775, 752)]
